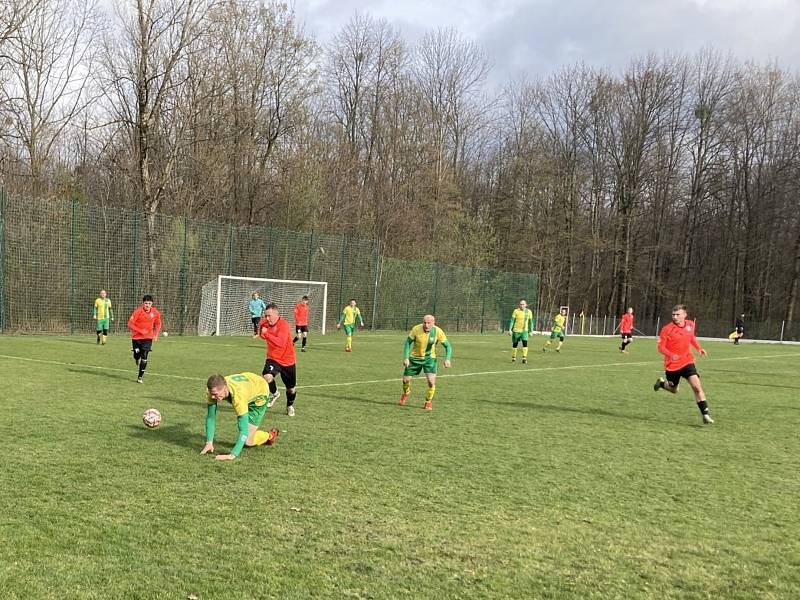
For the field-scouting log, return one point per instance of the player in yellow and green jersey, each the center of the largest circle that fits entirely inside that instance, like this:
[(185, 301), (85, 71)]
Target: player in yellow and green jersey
[(248, 394), (102, 315), (419, 354), (557, 330), (519, 327), (350, 313)]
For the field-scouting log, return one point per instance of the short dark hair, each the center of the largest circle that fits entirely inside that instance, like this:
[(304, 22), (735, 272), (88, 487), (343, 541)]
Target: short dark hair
[(147, 298), (352, 300), (304, 298), (272, 305), (679, 307), (215, 381)]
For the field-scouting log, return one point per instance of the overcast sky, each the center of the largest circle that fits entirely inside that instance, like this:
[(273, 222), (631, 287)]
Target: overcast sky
[(538, 36)]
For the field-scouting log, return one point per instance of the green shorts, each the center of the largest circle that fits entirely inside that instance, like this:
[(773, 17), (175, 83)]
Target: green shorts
[(102, 325), (557, 334), (522, 336), (349, 329), (255, 413), (415, 365)]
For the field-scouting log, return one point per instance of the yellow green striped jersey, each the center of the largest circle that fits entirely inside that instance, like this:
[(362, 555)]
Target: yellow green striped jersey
[(349, 315), (422, 346), (521, 320), (245, 388), (102, 308), (558, 323)]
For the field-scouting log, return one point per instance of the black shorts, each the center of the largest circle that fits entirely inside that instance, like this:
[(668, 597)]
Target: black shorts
[(627, 336), (674, 377), (740, 330), (301, 328), (142, 346), (255, 320), (288, 374)]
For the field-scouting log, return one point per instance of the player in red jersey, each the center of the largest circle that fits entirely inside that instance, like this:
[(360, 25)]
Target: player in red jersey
[(280, 355), (301, 322), (675, 342), (145, 325), (626, 329)]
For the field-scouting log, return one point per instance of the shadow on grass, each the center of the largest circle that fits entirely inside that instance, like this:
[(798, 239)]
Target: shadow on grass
[(592, 412), (177, 435), (387, 401), (98, 372)]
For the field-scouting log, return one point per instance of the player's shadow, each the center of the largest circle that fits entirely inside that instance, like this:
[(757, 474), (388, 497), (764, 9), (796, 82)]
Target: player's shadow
[(177, 435), (104, 373), (336, 398), (593, 412)]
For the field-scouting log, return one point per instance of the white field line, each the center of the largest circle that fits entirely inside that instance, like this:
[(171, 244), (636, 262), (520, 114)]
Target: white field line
[(396, 379)]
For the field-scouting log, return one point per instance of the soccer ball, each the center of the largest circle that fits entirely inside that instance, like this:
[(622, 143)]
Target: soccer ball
[(151, 417), (165, 334)]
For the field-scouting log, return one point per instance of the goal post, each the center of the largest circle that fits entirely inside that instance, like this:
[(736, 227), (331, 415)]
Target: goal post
[(224, 303)]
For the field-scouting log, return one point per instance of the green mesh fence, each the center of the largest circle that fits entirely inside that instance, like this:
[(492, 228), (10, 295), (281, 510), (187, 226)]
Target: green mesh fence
[(55, 257)]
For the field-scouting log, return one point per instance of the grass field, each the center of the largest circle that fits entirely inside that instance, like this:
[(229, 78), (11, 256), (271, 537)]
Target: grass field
[(564, 478)]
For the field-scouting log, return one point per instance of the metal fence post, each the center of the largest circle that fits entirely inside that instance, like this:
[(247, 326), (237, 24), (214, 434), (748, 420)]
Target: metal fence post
[(230, 249), (3, 198), (72, 271), (658, 322), (783, 324), (135, 266), (183, 277), (483, 298), (310, 254), (377, 281)]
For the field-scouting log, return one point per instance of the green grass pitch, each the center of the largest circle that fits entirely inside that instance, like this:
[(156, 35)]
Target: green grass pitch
[(564, 478)]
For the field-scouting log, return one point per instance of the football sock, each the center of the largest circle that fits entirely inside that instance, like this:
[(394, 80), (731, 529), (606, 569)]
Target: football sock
[(703, 406), (429, 394), (260, 437), (524, 352), (406, 387), (142, 366), (290, 396), (513, 353), (273, 387), (98, 337), (104, 338), (304, 342), (349, 341), (294, 341)]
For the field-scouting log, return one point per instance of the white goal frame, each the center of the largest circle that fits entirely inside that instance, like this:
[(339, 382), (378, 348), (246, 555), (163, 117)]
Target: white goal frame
[(220, 278)]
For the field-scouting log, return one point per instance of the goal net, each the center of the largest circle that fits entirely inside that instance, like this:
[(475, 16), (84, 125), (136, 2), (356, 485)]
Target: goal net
[(224, 302)]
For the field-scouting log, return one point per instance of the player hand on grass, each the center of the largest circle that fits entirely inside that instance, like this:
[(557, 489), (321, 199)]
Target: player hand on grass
[(225, 457), (209, 447)]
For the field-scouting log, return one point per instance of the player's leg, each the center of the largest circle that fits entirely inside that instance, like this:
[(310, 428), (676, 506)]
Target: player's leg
[(699, 395), (137, 351), (296, 334), (669, 382), (255, 321), (414, 368), (514, 344), (548, 342), (105, 335), (524, 338), (269, 372), (144, 350), (560, 342), (255, 436), (99, 330), (431, 377), (289, 378), (305, 339), (348, 331)]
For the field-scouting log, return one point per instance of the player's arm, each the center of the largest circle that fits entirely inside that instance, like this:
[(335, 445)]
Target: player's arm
[(511, 323), (242, 424), (341, 318), (407, 349), (94, 312), (360, 318), (530, 324), (696, 345), (110, 311), (448, 352), (211, 427)]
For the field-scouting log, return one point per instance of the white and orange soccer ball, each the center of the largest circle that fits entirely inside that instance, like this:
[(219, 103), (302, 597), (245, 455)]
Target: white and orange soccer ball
[(151, 417)]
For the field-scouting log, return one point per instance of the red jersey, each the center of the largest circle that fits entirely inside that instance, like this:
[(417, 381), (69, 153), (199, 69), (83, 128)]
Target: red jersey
[(675, 343), (626, 323), (301, 314), (144, 325), (279, 341)]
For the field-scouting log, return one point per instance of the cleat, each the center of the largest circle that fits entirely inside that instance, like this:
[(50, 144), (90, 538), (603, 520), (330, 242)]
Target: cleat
[(544, 349), (348, 349), (402, 400), (558, 350), (428, 405), (303, 349), (524, 361), (659, 384), (707, 420), (273, 397), (139, 380), (513, 360), (273, 435), (290, 411)]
